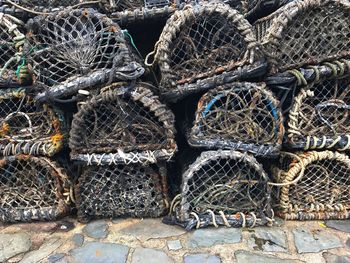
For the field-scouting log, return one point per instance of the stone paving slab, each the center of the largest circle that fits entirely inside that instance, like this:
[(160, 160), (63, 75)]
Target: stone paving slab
[(174, 244), (96, 229), (13, 244), (331, 258), (307, 242), (214, 236), (98, 252), (201, 258), (152, 228), (44, 251), (341, 225), (268, 240), (148, 255), (249, 257)]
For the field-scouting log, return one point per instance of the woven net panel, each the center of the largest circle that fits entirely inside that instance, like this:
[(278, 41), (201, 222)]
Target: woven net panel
[(29, 128), (226, 181), (203, 41), (76, 43), (121, 190), (32, 188), (306, 32), (238, 113), (320, 116), (11, 48), (320, 189), (123, 118), (130, 5)]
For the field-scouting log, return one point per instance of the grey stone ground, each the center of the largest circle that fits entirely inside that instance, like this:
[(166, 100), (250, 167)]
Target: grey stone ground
[(148, 240)]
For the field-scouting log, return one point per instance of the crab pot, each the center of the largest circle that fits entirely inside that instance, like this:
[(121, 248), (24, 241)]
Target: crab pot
[(238, 116), (27, 127), (298, 33), (32, 188), (316, 186), (320, 116), (130, 11), (126, 122), (222, 188), (13, 68), (119, 190), (77, 49), (203, 46)]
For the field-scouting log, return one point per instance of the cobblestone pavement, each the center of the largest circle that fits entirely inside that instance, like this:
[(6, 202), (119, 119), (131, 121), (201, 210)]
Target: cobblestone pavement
[(148, 240)]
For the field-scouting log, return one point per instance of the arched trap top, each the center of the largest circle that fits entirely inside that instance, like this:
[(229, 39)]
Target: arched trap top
[(203, 41), (320, 116), (77, 49), (123, 118), (305, 32), (29, 128), (316, 186), (223, 188), (244, 116)]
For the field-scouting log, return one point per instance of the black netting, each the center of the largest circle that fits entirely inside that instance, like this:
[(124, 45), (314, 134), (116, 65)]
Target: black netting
[(236, 115), (120, 190), (76, 49), (32, 188), (316, 186), (319, 117), (315, 32), (29, 128), (123, 118)]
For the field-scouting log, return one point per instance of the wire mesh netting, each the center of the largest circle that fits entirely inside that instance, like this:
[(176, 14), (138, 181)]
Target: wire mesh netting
[(317, 186), (121, 190), (118, 6), (29, 128), (77, 49), (13, 69), (242, 116), (305, 32), (123, 119), (203, 41), (223, 188), (319, 117), (32, 188)]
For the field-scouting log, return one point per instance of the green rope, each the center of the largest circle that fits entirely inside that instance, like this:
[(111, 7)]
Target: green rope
[(126, 33), (18, 71)]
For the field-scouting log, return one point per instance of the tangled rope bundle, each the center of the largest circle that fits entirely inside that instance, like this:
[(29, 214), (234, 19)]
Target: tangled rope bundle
[(305, 32), (77, 49), (223, 188), (319, 118), (322, 189), (199, 42), (32, 188), (121, 190), (243, 116), (28, 128), (123, 119)]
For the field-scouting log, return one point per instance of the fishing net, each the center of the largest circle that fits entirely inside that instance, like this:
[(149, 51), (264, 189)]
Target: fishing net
[(77, 49), (223, 188), (203, 46), (13, 69), (305, 32), (121, 191), (129, 122), (28, 128), (32, 188), (316, 186), (320, 116), (239, 116)]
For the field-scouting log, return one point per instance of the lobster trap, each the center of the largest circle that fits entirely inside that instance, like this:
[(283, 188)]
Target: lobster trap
[(13, 68), (123, 124), (27, 127), (32, 188), (226, 188), (316, 186), (320, 116), (239, 116), (305, 32), (109, 191), (77, 49), (203, 46)]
